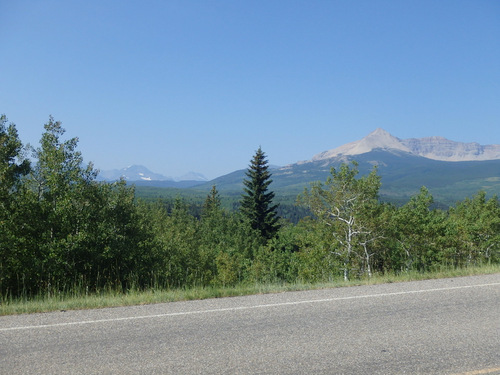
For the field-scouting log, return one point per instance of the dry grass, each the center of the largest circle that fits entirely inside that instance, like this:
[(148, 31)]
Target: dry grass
[(76, 300)]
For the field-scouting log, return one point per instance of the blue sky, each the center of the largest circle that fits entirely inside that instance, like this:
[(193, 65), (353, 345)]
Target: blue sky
[(183, 86)]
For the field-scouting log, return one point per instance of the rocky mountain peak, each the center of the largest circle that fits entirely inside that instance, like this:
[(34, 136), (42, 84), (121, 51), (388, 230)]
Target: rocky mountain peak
[(378, 139), (435, 147)]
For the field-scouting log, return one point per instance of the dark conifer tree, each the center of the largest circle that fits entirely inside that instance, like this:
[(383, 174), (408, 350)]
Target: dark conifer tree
[(257, 202), (212, 202)]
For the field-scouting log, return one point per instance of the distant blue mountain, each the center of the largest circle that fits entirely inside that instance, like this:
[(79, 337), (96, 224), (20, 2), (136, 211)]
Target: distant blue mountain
[(140, 175), (451, 170)]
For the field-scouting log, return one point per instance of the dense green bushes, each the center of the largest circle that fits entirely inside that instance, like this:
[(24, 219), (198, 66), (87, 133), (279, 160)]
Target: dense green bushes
[(61, 229)]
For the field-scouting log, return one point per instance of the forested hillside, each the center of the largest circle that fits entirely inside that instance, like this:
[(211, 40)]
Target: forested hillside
[(402, 174), (62, 229)]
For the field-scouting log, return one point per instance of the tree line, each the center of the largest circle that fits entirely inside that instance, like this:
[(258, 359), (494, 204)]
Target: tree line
[(61, 229)]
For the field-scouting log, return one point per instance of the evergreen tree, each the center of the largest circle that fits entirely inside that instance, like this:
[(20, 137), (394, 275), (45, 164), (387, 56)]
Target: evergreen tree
[(257, 202), (212, 202)]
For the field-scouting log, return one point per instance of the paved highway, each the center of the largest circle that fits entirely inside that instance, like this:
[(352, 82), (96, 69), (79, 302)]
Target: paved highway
[(448, 326)]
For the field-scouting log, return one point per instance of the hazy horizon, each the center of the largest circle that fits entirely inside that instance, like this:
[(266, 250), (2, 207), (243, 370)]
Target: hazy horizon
[(198, 86)]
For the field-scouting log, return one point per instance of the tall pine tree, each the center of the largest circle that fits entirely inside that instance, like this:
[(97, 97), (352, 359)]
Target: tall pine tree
[(257, 202), (212, 202)]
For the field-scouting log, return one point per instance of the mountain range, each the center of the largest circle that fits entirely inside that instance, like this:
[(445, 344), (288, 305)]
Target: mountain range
[(140, 175), (436, 148), (450, 170)]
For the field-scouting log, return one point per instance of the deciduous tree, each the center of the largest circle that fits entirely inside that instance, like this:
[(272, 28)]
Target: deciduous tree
[(476, 222), (13, 167), (343, 203), (418, 230)]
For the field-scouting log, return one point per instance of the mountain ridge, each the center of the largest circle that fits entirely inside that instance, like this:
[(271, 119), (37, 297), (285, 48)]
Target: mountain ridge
[(402, 175), (450, 170), (404, 166), (140, 173), (435, 148)]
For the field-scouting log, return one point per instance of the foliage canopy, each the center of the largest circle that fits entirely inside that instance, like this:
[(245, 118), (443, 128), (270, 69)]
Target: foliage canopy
[(62, 230)]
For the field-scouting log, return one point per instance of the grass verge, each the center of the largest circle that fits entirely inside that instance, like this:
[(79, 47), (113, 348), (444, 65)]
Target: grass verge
[(110, 298)]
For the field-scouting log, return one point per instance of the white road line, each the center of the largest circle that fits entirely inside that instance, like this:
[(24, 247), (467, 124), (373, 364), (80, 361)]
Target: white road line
[(243, 307), (482, 371)]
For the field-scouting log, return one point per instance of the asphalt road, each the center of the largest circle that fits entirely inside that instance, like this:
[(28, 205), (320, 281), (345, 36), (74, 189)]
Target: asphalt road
[(448, 326)]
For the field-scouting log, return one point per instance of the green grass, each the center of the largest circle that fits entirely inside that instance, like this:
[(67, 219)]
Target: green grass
[(77, 300)]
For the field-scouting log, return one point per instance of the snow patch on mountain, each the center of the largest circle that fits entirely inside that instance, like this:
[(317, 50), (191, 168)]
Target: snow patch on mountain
[(141, 173)]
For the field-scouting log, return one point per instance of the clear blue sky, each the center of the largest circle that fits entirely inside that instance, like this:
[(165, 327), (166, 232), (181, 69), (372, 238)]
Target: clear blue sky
[(183, 86)]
